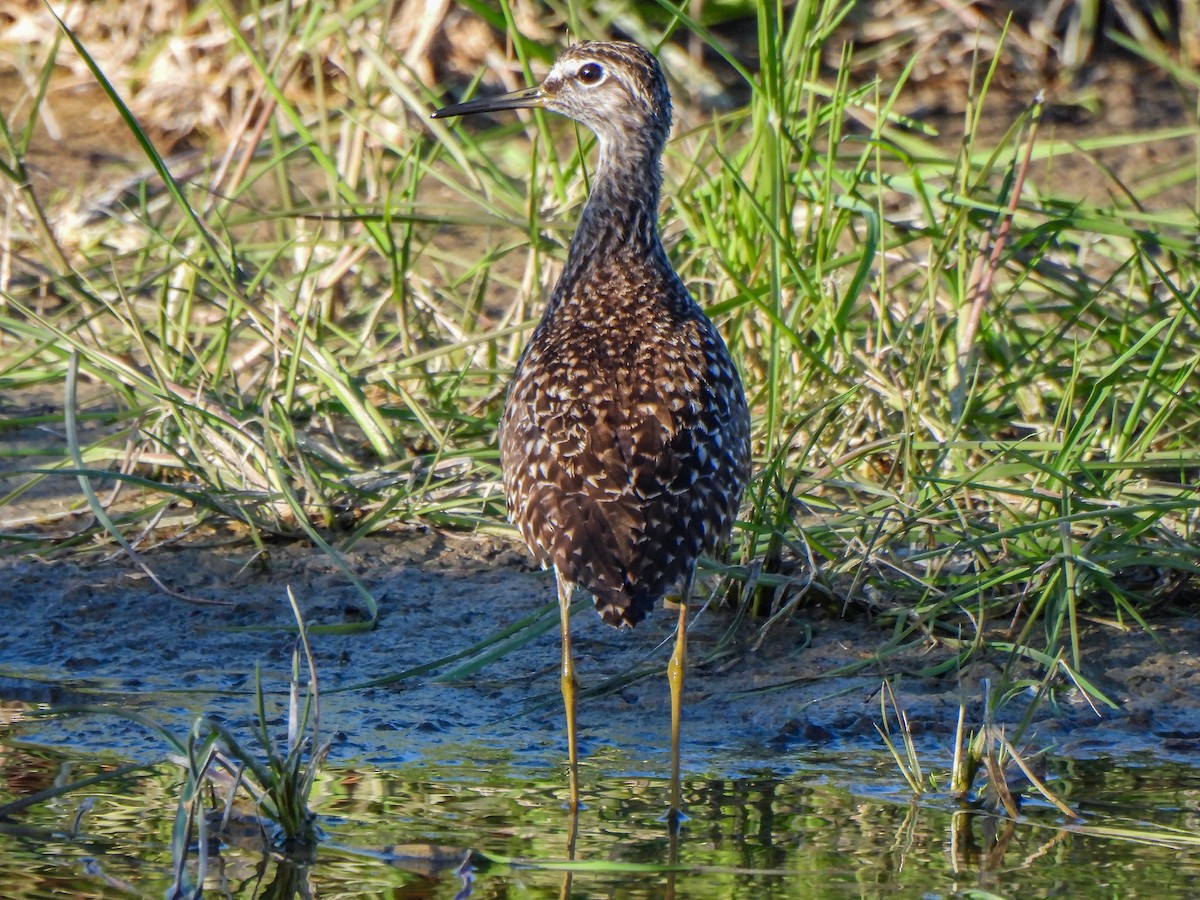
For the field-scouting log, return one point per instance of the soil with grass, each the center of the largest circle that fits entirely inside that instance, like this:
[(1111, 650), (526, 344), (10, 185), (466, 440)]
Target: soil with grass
[(95, 629)]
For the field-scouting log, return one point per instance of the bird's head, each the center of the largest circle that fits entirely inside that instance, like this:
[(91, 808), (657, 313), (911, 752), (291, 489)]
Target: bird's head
[(614, 88)]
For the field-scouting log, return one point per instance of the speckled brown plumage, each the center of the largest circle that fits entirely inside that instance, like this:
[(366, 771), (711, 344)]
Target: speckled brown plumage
[(625, 440)]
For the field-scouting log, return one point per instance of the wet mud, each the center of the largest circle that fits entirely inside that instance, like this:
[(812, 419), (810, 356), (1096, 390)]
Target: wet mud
[(96, 630)]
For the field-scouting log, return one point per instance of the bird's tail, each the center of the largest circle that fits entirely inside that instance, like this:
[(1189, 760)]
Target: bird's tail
[(621, 609)]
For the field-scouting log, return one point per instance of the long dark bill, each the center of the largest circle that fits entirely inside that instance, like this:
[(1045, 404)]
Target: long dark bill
[(526, 98)]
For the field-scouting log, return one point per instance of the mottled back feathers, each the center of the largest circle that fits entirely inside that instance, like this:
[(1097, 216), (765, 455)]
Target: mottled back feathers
[(625, 438)]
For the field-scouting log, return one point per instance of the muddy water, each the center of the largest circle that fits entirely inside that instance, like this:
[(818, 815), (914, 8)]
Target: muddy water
[(825, 825), (788, 786)]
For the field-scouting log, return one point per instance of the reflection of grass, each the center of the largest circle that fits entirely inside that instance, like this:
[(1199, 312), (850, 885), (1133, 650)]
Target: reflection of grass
[(274, 781), (277, 779), (745, 832), (1007, 773), (986, 438)]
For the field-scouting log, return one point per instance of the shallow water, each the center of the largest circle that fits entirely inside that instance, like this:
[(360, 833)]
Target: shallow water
[(818, 825), (789, 790)]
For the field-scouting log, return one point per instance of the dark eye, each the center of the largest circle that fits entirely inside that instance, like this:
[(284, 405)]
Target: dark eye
[(590, 73)]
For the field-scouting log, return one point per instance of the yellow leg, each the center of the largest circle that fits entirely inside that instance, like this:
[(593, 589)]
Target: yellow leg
[(569, 685), (675, 673)]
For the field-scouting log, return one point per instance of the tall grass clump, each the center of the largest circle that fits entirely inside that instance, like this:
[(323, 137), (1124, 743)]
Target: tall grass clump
[(970, 388), (270, 340)]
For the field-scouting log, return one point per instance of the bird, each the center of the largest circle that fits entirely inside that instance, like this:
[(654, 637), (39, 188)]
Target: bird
[(625, 438)]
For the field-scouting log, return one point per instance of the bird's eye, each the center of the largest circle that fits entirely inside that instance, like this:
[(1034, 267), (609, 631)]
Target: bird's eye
[(590, 73)]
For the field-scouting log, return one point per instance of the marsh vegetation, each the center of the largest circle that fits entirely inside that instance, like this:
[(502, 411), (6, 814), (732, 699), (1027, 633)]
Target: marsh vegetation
[(257, 314)]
